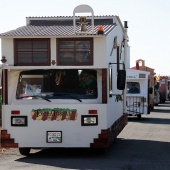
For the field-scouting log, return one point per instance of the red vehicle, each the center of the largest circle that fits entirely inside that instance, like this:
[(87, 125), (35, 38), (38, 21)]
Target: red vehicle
[(163, 88)]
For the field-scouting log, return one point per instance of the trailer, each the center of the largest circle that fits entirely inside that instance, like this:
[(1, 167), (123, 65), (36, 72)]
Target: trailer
[(156, 92), (63, 81), (168, 91), (151, 80), (163, 83), (137, 96)]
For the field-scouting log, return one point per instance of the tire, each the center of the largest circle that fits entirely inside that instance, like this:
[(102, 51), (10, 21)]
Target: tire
[(24, 151), (152, 107), (149, 110), (139, 116)]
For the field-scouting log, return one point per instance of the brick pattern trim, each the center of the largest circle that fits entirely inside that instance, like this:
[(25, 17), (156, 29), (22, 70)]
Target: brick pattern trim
[(108, 136), (6, 141)]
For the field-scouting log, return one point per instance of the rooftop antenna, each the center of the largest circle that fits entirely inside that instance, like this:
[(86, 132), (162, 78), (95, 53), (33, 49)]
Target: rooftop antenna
[(81, 9)]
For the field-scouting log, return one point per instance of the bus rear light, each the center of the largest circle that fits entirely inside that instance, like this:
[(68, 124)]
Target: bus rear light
[(15, 112), (92, 111), (136, 104), (89, 120), (19, 121)]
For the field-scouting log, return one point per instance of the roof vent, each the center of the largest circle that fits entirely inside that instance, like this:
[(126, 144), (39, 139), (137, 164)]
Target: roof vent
[(81, 26)]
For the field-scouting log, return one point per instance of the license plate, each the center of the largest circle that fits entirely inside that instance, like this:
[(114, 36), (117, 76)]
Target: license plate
[(54, 136)]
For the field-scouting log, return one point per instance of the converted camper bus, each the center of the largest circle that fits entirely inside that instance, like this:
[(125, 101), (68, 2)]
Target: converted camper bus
[(63, 81), (137, 92)]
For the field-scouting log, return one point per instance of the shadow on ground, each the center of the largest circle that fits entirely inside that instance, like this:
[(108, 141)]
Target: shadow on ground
[(124, 154)]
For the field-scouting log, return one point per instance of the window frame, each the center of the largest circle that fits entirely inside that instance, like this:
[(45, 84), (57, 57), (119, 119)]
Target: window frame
[(18, 63), (62, 63), (41, 83)]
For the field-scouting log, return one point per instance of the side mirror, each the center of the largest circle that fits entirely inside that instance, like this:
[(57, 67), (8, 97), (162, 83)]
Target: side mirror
[(121, 79), (150, 90)]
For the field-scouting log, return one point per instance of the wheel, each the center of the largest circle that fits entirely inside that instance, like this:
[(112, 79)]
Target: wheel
[(139, 116), (152, 107), (163, 101), (149, 110), (24, 151)]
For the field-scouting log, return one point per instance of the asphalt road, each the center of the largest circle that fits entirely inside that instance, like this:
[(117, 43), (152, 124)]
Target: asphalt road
[(144, 144)]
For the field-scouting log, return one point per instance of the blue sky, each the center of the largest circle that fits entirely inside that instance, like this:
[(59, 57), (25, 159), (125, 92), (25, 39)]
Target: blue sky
[(148, 22)]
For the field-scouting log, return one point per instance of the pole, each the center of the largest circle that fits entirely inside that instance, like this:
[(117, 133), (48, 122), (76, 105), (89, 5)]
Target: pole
[(125, 60)]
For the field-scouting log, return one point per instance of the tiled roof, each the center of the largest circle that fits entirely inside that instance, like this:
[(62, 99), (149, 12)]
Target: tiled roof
[(50, 30), (57, 27)]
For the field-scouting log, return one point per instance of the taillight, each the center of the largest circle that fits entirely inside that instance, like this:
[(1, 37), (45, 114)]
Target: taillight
[(92, 111), (15, 112)]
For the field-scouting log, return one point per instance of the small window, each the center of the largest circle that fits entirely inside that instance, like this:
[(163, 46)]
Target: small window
[(32, 52), (75, 51), (133, 87)]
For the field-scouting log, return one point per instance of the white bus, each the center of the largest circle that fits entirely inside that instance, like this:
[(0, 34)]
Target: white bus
[(137, 92), (59, 82)]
